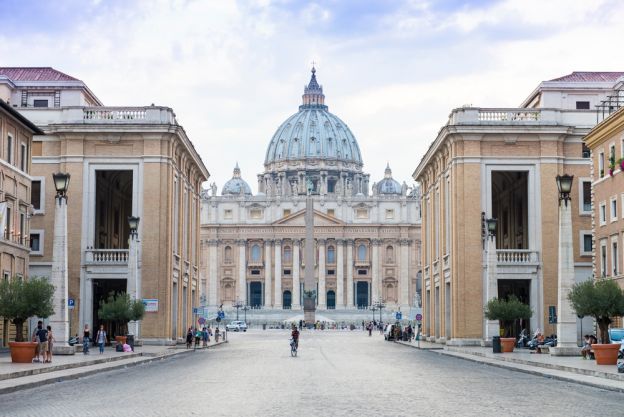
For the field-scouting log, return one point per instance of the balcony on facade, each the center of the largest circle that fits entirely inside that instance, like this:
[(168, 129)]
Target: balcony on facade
[(100, 115), (522, 116), (106, 257)]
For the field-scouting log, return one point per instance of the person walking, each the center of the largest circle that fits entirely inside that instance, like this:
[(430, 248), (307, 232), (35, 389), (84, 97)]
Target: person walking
[(204, 337), (189, 337), (40, 336), (50, 344), (101, 338), (86, 339), (217, 335)]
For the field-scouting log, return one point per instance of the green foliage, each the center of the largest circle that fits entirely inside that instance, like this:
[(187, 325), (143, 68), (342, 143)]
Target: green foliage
[(120, 309), (21, 299), (507, 311), (601, 299)]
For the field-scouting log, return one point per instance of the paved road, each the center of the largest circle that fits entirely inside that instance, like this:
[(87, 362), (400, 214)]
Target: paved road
[(335, 374)]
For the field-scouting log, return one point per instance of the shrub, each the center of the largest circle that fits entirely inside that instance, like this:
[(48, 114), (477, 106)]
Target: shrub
[(507, 312), (21, 299)]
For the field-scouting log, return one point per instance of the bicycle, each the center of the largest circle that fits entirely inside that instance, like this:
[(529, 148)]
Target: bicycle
[(293, 347)]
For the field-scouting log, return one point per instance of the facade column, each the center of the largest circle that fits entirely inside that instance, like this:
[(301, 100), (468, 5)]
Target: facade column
[(375, 264), (339, 273), (242, 270), (133, 283), (296, 290), (566, 318), (322, 302), (58, 277), (350, 273), (213, 268), (492, 327), (404, 275), (268, 265), (278, 274)]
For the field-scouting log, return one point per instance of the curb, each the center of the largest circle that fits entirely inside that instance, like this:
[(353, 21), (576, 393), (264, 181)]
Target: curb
[(139, 359), (536, 369)]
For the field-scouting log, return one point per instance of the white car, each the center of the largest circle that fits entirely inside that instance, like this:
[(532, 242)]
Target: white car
[(236, 326)]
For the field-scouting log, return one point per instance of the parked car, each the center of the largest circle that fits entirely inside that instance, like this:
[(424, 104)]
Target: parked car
[(236, 326), (616, 335), (389, 332)]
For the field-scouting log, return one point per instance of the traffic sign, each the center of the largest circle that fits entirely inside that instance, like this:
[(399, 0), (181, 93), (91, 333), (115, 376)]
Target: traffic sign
[(201, 321), (399, 315), (221, 314), (195, 310), (418, 317), (71, 303)]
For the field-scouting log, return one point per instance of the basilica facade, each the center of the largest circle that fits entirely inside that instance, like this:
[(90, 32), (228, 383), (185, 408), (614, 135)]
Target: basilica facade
[(366, 236)]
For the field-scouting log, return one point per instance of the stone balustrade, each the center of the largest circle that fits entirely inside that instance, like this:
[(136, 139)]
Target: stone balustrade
[(516, 256), (107, 256), (101, 115), (522, 116)]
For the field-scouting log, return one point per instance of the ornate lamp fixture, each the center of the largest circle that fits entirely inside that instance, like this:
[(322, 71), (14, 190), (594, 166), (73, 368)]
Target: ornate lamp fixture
[(564, 185)]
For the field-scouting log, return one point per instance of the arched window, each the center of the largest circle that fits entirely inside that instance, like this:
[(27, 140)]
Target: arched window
[(361, 252), (255, 253), (228, 254), (331, 255), (389, 254), (287, 254)]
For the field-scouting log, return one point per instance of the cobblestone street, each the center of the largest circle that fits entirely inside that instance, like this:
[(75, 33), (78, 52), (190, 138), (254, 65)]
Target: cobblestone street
[(335, 374)]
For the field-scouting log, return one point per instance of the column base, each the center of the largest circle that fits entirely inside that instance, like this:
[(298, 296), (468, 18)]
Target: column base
[(59, 349), (565, 351)]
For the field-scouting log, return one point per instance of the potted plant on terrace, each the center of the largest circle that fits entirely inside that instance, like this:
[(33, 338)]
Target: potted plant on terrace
[(121, 309), (507, 311), (602, 299), (21, 299)]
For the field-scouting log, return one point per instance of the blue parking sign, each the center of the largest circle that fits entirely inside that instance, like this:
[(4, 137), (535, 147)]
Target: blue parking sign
[(71, 303), (399, 315)]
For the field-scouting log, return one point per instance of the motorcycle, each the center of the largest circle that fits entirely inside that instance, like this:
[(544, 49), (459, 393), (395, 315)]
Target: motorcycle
[(523, 340)]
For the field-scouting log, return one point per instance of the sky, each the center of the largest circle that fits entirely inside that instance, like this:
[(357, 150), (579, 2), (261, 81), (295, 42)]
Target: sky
[(233, 71)]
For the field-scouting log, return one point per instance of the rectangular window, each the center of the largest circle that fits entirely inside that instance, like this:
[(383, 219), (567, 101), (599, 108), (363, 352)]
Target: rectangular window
[(36, 242), (227, 214), (286, 212), (255, 213), (389, 214), (362, 271), (6, 275), (8, 235), (586, 196), (613, 209), (361, 213), (255, 272), (603, 259), (23, 157), (40, 103), (582, 105), (614, 258), (9, 150), (287, 271), (601, 165), (22, 231), (331, 213), (586, 152), (587, 244), (35, 194), (331, 272), (603, 213)]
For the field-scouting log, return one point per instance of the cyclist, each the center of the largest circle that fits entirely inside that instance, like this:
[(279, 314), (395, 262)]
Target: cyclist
[(295, 336)]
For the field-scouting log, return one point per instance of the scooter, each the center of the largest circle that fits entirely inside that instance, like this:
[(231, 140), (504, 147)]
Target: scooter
[(523, 340)]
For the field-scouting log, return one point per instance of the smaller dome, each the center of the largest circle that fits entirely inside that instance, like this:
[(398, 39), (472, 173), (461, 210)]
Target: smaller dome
[(237, 185), (388, 185)]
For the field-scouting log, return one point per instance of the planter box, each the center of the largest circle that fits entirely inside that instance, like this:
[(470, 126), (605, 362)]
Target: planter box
[(606, 354), (508, 344), (22, 352)]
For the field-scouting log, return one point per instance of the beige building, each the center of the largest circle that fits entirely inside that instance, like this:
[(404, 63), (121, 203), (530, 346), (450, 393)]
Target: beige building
[(367, 236), (123, 161), (501, 163), (606, 142), (16, 133)]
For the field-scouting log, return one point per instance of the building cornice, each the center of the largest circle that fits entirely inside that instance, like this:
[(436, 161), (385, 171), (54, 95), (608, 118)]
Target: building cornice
[(605, 129)]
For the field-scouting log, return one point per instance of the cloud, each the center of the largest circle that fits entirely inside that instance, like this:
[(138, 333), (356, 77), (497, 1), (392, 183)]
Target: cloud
[(234, 71)]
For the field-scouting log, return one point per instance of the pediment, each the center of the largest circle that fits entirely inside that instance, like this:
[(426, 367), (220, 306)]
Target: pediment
[(298, 219)]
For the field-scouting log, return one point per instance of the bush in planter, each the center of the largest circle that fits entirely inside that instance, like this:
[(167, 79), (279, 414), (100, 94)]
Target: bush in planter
[(121, 309), (22, 299), (507, 312), (601, 299)]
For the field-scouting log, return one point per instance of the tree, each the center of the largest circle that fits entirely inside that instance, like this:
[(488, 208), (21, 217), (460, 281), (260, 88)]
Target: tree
[(21, 299), (507, 311), (121, 309), (602, 299)]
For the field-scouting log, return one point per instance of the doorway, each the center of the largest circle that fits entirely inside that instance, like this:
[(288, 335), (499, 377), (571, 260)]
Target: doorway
[(255, 294), (331, 300), (521, 288), (287, 300), (102, 288), (361, 294)]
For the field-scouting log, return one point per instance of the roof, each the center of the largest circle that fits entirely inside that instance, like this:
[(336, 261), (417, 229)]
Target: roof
[(17, 115), (35, 74), (590, 76)]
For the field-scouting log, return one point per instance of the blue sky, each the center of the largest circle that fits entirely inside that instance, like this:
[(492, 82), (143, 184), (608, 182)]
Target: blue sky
[(233, 71)]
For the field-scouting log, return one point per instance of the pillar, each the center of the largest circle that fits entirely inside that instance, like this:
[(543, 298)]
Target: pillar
[(58, 277), (296, 290), (375, 265), (278, 274), (213, 267), (242, 271), (350, 273), (492, 327), (133, 287), (322, 302), (403, 274), (268, 265), (339, 273)]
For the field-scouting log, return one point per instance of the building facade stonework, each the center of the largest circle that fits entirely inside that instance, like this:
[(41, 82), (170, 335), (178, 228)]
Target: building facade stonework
[(367, 236)]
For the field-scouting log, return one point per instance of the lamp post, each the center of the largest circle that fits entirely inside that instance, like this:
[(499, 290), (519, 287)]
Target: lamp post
[(379, 305), (245, 308), (58, 277), (492, 327), (238, 304), (566, 318), (133, 285), (373, 309)]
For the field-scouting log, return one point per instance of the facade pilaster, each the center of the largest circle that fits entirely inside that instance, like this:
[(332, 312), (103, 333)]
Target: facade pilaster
[(268, 264), (375, 265), (404, 274), (339, 273), (213, 268), (278, 274), (242, 270), (296, 269), (350, 273), (322, 295)]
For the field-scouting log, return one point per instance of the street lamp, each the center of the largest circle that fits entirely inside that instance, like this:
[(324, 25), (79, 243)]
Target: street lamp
[(245, 308), (379, 305), (133, 222), (238, 304), (373, 308), (564, 185), (491, 227), (58, 276)]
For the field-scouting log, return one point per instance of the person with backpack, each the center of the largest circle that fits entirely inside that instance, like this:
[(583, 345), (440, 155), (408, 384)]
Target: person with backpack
[(40, 336)]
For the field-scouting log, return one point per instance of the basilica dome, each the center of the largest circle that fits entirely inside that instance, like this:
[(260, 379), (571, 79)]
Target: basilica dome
[(236, 184), (388, 185), (313, 134)]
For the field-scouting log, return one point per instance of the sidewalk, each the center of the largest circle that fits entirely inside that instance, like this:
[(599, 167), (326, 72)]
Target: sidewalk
[(14, 377), (565, 368)]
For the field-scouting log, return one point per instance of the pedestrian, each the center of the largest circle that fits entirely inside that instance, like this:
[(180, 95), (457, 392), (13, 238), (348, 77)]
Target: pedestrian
[(101, 338), (50, 343), (198, 336), (86, 338), (204, 337), (189, 337), (410, 333), (370, 329), (217, 335), (40, 336)]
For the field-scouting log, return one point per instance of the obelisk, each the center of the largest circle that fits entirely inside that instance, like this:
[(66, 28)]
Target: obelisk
[(309, 284)]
